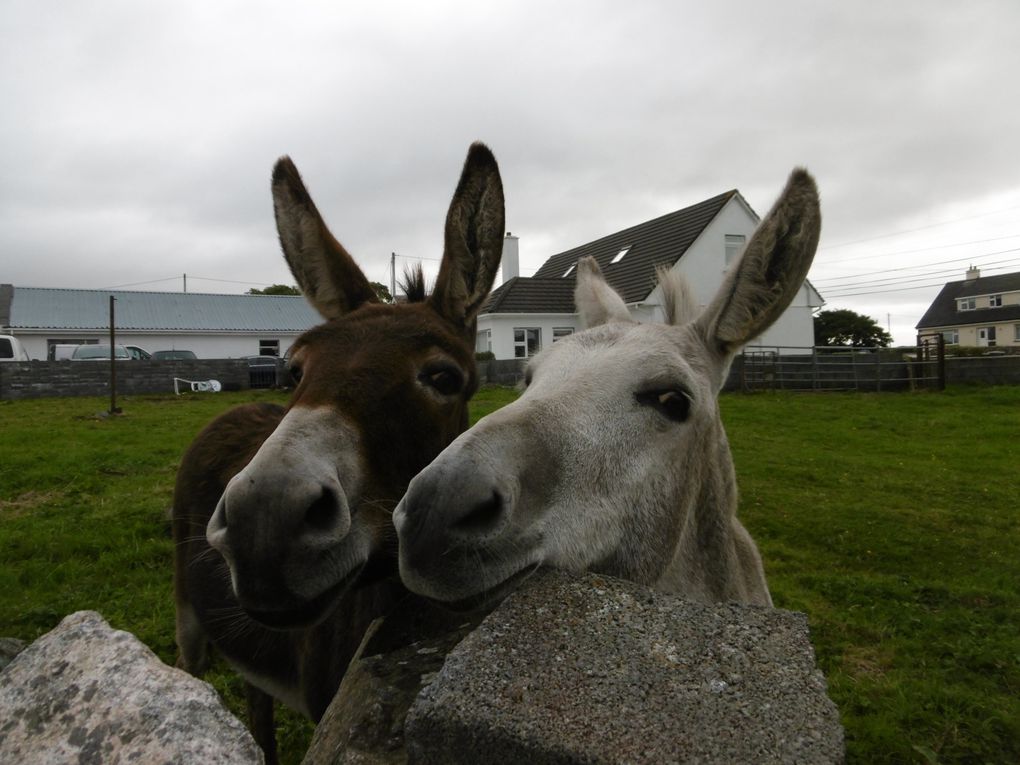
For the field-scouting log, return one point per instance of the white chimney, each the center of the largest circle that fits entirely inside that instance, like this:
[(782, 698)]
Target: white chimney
[(972, 273), (511, 258)]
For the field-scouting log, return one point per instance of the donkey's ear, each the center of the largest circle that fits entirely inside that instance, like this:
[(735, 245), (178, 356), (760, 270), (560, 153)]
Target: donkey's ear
[(596, 301), (474, 240), (328, 276), (772, 269)]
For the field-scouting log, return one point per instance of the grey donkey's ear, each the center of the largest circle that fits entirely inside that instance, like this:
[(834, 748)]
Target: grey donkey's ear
[(760, 287), (596, 301), (328, 276), (474, 240)]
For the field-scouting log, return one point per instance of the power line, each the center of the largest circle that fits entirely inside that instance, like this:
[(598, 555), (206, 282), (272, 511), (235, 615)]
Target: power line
[(841, 294), (916, 277), (139, 284), (920, 228), (924, 249), (971, 259)]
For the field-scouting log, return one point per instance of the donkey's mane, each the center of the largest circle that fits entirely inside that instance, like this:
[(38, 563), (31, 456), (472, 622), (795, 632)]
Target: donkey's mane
[(413, 284)]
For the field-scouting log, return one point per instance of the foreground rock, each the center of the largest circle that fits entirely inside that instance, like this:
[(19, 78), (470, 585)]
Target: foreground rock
[(86, 693), (594, 670), (364, 724)]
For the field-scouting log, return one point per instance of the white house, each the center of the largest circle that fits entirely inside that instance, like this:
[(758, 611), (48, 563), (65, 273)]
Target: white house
[(213, 326), (982, 311), (700, 242)]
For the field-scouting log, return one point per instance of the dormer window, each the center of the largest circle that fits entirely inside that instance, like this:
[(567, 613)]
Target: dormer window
[(568, 271), (966, 304), (995, 301), (620, 254)]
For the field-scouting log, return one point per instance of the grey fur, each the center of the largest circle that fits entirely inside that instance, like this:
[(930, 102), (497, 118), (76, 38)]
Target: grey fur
[(599, 465)]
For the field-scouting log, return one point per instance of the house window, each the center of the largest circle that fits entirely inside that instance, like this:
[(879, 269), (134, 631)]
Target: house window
[(967, 304), (986, 336), (995, 301), (568, 271), (734, 246), (561, 332), (951, 336), (527, 342), (483, 341), (619, 256), (269, 347), (1016, 333)]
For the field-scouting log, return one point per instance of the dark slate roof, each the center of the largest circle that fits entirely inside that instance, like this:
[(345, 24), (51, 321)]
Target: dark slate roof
[(660, 241), (43, 308), (532, 295), (943, 313)]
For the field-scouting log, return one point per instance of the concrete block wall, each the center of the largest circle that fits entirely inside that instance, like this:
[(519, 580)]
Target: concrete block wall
[(38, 379)]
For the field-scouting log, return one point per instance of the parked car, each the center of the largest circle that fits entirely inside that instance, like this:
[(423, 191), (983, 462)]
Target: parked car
[(11, 349), (99, 353), (61, 351), (173, 355), (139, 354)]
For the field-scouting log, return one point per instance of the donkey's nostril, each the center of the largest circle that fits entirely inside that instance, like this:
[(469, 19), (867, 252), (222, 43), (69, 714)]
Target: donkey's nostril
[(321, 515), (483, 518)]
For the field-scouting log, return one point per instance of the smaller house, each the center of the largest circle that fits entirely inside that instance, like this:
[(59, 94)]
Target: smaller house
[(701, 242), (212, 326), (979, 311)]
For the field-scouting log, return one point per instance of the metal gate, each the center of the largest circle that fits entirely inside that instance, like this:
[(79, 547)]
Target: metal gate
[(842, 368)]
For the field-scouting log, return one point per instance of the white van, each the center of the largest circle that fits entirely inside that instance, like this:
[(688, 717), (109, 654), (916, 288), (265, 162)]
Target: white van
[(11, 349)]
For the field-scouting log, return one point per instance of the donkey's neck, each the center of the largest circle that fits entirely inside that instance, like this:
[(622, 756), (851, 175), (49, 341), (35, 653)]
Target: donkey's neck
[(715, 559)]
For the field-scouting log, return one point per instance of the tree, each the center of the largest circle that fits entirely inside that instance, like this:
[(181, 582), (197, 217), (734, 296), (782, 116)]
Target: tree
[(275, 289), (382, 291), (845, 327)]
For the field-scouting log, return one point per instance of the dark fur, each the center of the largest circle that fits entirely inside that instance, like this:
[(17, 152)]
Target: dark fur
[(363, 362)]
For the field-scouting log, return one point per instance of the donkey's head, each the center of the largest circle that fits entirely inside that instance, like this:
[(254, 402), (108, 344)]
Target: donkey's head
[(380, 390), (614, 459)]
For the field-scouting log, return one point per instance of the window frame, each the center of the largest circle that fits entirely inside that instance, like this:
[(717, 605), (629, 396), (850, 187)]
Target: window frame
[(522, 344)]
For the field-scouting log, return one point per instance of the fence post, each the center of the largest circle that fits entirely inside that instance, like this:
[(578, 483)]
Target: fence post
[(941, 350)]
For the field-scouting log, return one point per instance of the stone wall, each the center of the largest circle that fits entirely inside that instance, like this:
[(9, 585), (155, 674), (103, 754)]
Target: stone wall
[(574, 669), (37, 379), (986, 370)]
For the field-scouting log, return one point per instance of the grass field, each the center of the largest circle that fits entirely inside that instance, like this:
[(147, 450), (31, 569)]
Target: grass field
[(891, 520)]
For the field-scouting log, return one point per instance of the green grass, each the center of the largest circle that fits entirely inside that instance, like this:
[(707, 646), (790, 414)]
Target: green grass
[(891, 520)]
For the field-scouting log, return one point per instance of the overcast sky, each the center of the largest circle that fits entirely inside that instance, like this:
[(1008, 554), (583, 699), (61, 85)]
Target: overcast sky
[(137, 139)]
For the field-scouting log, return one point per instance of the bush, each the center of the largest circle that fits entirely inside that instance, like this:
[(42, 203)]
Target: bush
[(484, 356)]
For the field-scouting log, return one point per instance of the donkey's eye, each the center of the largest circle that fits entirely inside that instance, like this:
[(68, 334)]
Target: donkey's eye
[(295, 373), (674, 404), (445, 380)]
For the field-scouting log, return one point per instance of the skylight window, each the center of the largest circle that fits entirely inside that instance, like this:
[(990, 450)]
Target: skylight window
[(620, 254), (565, 275)]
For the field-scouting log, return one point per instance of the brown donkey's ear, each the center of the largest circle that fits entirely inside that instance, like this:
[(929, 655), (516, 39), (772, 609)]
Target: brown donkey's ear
[(328, 276), (474, 240), (772, 269)]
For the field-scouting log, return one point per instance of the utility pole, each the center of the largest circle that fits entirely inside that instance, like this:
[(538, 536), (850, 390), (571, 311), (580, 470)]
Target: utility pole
[(393, 276), (185, 282), (113, 361)]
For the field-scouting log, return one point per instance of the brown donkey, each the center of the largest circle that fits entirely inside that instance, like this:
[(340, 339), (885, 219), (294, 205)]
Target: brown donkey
[(282, 517)]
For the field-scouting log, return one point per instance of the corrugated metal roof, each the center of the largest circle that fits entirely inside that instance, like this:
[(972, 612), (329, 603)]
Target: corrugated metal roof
[(43, 308)]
